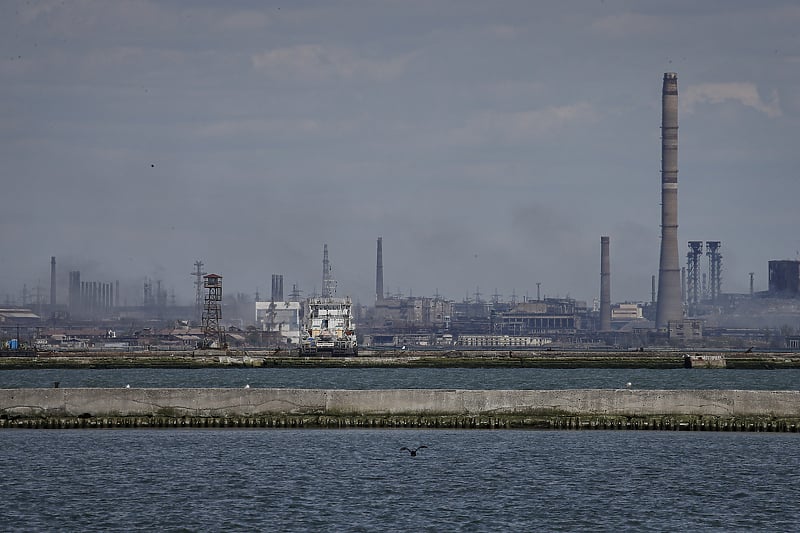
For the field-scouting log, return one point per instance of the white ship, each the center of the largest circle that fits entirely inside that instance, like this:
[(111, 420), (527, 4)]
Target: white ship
[(328, 327)]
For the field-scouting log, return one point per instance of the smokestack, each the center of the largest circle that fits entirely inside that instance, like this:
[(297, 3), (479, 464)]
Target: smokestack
[(277, 288), (669, 305), (379, 272), (53, 280), (683, 284), (605, 285), (74, 291), (653, 289)]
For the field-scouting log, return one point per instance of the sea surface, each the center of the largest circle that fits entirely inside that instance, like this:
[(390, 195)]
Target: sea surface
[(360, 480), (393, 378)]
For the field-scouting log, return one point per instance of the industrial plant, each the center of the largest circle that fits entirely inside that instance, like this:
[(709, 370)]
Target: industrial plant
[(689, 308)]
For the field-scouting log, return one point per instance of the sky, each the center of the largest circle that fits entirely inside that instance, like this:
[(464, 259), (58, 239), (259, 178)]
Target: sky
[(489, 144)]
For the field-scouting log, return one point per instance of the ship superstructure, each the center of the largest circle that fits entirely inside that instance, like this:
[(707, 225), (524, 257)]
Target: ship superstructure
[(328, 324), (328, 327)]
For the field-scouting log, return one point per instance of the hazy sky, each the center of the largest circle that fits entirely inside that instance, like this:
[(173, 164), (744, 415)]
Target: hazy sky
[(490, 144)]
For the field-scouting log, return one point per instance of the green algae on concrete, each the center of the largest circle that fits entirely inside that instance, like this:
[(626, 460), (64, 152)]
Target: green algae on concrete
[(327, 421)]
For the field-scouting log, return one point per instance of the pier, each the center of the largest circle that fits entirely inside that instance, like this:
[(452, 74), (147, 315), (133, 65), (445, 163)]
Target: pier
[(703, 410)]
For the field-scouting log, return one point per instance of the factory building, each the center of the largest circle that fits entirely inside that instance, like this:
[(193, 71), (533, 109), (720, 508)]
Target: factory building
[(541, 317), (280, 322), (501, 341), (18, 317), (413, 312), (784, 278), (685, 330)]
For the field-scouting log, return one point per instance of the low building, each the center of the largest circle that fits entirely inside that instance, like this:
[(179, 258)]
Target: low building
[(501, 341), (281, 320), (412, 312), (624, 312), (18, 317), (684, 330), (540, 317)]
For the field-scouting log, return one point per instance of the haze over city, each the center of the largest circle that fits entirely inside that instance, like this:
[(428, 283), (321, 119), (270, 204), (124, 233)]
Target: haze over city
[(490, 145)]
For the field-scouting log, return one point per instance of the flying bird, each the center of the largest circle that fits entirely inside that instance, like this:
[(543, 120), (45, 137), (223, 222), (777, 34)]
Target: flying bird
[(412, 451)]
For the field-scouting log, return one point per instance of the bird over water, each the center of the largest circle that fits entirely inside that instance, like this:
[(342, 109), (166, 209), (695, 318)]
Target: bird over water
[(412, 451)]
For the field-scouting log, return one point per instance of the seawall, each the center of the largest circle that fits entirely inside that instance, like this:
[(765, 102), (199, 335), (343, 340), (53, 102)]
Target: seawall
[(253, 407)]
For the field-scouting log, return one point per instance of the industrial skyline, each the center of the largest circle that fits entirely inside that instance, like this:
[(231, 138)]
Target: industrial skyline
[(488, 145), (78, 294)]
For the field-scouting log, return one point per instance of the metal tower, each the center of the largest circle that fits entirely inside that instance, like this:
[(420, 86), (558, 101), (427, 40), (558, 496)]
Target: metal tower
[(714, 270), (198, 285), (296, 293), (213, 335), (693, 267), (328, 283), (704, 287)]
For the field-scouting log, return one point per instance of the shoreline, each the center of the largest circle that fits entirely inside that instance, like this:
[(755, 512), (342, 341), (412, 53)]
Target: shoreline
[(401, 359)]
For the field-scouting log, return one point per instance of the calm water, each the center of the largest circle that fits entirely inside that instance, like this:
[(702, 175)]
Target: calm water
[(381, 378), (354, 480)]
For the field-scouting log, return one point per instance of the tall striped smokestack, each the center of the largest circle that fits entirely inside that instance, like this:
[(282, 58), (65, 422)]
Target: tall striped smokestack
[(379, 272), (605, 285), (53, 280), (669, 305)]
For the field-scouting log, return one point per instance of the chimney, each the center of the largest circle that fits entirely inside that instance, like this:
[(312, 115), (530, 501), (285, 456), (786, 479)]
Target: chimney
[(277, 288), (379, 272), (653, 289), (605, 285), (53, 280), (669, 305)]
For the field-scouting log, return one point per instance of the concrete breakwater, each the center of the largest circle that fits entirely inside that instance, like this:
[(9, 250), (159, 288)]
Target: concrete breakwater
[(434, 408)]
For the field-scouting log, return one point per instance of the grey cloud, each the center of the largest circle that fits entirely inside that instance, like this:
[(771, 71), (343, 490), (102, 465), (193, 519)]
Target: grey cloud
[(630, 24), (315, 63), (743, 93), (517, 127), (515, 132)]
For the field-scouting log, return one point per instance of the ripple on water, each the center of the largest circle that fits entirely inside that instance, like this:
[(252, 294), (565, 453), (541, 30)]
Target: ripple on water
[(300, 480)]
